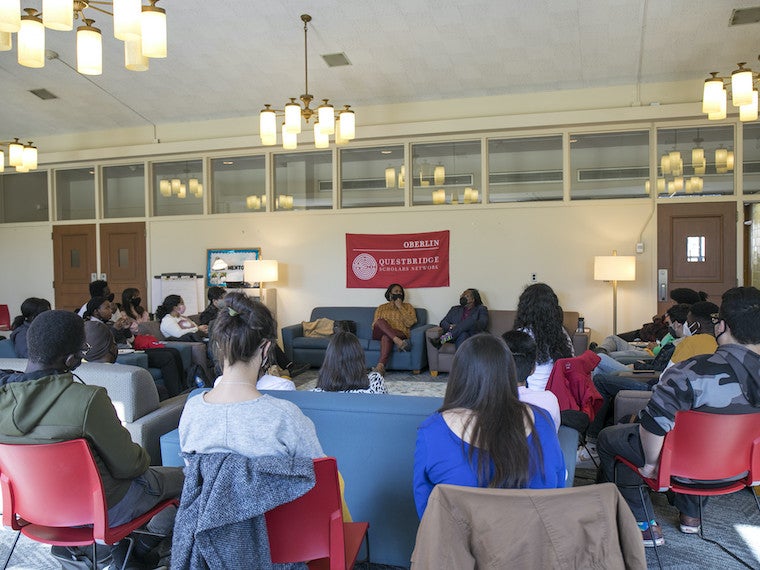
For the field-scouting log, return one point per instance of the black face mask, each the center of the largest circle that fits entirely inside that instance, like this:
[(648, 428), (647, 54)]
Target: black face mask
[(463, 301), (136, 302), (398, 296), (110, 298)]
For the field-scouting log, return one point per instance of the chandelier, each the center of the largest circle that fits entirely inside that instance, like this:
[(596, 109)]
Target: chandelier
[(21, 156), (326, 123), (141, 28), (741, 87)]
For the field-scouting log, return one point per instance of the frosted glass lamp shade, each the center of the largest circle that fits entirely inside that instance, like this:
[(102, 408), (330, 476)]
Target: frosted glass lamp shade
[(347, 124), (326, 118), (165, 188), (340, 140), (390, 177), (746, 112), (439, 175), (2, 160), (6, 41), (89, 51), (10, 16), (712, 94), (268, 126), (321, 138), (134, 60), (293, 117), (15, 154), (58, 14), (175, 185), (153, 31), (697, 154), (127, 20), (260, 270), (29, 157), (289, 140), (614, 268), (31, 42), (741, 86), (720, 114), (665, 163)]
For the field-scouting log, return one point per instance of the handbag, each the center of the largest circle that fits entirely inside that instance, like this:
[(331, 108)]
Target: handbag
[(146, 341), (344, 326), (321, 328)]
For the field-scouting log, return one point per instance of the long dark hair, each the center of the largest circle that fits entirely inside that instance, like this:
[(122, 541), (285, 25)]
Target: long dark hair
[(344, 366), (167, 306), (30, 308), (483, 380), (538, 310), (126, 303), (240, 328)]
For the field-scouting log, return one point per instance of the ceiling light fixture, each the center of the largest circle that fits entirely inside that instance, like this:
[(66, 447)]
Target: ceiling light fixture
[(342, 127), (142, 28), (742, 87), (21, 156)]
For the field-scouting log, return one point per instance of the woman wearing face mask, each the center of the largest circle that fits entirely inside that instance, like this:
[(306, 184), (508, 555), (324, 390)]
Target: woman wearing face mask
[(174, 325), (392, 323), (462, 321), (131, 305)]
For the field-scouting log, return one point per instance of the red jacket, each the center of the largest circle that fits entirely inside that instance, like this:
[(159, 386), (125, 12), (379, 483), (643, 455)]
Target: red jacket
[(571, 382)]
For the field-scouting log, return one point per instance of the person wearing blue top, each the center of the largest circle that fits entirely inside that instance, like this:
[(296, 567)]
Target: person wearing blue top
[(483, 436)]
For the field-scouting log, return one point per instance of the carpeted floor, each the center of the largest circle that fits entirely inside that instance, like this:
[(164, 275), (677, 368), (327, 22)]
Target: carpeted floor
[(732, 520)]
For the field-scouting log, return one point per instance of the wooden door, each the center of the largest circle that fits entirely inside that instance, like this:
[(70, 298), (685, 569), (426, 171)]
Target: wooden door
[(122, 257), (696, 246), (75, 262)]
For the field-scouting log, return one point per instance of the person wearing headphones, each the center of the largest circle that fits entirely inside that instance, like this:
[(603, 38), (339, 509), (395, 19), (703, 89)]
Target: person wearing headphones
[(392, 323)]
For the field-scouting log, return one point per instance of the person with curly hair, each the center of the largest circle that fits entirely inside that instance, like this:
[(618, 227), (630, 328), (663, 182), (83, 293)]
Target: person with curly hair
[(539, 315)]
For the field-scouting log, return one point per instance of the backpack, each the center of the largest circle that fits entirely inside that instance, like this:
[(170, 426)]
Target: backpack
[(195, 377)]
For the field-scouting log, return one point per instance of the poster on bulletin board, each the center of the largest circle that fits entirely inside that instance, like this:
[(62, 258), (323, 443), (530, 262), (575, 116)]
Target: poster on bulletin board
[(414, 260)]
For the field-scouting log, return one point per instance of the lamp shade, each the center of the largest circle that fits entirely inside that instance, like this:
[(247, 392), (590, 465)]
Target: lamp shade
[(749, 112), (6, 41), (58, 14), (29, 157), (89, 50), (439, 175), (15, 153), (126, 20), (268, 126), (347, 123), (326, 118), (10, 15), (153, 29), (260, 270), (31, 42), (2, 160), (614, 268), (720, 114), (741, 86), (134, 60), (712, 95), (293, 117)]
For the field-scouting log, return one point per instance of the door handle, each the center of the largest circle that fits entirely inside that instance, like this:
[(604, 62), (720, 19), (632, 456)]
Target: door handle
[(662, 285)]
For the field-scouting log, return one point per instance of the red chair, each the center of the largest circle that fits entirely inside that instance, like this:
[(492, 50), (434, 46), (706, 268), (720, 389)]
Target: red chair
[(52, 493), (5, 318), (311, 528), (707, 447)]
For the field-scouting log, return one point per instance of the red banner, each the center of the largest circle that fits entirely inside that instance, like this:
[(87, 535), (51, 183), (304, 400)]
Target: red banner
[(413, 260)]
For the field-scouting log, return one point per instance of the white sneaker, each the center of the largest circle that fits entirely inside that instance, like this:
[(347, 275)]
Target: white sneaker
[(587, 453)]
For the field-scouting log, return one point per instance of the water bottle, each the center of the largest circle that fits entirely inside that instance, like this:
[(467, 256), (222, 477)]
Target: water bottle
[(199, 382), (581, 324)]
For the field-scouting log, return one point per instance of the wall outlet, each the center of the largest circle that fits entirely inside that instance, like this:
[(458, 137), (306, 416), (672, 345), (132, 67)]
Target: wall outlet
[(640, 247), (533, 278)]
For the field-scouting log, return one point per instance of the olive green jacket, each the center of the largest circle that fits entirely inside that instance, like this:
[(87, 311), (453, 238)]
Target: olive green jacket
[(38, 409)]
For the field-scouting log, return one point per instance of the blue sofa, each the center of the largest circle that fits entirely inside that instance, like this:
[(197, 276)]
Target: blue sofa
[(373, 438), (299, 348)]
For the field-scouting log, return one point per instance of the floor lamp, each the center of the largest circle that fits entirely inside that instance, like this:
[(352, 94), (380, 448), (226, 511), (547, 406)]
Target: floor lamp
[(614, 268), (263, 271)]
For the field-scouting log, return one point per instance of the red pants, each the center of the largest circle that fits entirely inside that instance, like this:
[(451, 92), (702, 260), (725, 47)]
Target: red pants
[(384, 332)]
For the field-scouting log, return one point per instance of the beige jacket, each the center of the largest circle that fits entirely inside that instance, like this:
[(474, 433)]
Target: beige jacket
[(579, 527)]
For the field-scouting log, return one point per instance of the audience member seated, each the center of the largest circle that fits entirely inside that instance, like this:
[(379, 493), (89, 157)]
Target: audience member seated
[(343, 369), (483, 435), (168, 360), (175, 326), (391, 324), (726, 382), (271, 377), (131, 306), (523, 349), (30, 308), (462, 321), (214, 296), (98, 288), (698, 318), (539, 315), (229, 429), (655, 330), (44, 404)]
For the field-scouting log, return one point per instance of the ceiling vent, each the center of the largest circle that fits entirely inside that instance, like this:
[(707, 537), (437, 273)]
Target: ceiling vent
[(336, 59), (43, 94), (745, 16)]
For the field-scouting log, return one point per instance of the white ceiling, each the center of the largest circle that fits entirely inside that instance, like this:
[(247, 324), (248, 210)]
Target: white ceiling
[(226, 59)]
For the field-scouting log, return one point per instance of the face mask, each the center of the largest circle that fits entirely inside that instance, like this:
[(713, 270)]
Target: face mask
[(463, 301), (136, 302), (395, 296), (687, 330), (110, 298)]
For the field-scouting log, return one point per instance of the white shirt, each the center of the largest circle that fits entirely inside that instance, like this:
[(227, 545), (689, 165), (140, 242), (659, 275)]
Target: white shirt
[(542, 399), (269, 382)]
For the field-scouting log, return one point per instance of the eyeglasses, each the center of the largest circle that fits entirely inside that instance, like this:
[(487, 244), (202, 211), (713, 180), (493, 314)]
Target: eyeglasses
[(715, 318)]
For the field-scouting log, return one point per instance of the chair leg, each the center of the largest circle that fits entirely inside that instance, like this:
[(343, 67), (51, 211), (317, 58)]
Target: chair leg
[(715, 542), (649, 519), (94, 555), (755, 491), (13, 546)]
